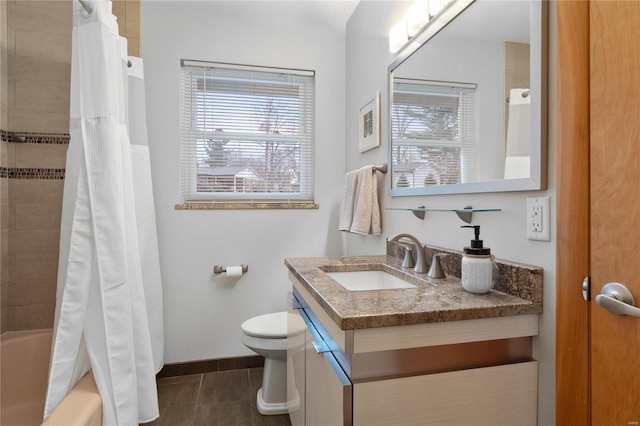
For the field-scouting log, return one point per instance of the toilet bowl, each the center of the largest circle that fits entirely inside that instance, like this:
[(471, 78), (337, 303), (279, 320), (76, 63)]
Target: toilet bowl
[(267, 335)]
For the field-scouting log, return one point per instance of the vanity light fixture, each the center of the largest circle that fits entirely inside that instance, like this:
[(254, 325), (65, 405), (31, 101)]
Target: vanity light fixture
[(417, 17), (398, 36), (437, 6)]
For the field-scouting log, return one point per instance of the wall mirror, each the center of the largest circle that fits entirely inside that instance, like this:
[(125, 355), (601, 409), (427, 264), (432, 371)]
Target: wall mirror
[(467, 99)]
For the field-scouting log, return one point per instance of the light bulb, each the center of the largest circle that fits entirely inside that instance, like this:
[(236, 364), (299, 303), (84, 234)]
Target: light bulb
[(398, 36), (436, 6), (417, 16)]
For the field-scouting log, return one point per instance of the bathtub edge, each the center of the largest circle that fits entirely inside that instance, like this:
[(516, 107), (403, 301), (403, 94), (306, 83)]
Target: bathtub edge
[(83, 404)]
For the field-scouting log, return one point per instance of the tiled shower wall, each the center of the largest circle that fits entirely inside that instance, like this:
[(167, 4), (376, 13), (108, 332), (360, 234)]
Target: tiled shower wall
[(4, 181), (36, 43)]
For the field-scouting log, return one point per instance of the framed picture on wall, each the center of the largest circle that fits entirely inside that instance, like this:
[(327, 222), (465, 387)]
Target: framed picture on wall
[(369, 124)]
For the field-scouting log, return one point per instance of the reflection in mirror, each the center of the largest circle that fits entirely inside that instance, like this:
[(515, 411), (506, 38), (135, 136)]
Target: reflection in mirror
[(466, 104), (434, 132)]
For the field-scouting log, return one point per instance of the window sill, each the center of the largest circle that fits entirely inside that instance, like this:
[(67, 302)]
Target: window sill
[(247, 206)]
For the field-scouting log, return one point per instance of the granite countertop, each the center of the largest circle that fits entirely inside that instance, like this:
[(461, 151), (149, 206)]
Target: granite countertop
[(432, 300)]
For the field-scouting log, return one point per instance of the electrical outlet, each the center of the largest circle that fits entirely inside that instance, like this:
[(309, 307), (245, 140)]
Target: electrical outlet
[(538, 213)]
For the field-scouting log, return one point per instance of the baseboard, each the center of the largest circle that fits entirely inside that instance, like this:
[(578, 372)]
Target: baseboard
[(210, 365)]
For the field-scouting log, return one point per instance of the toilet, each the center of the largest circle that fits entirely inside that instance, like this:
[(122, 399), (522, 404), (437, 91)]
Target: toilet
[(266, 335)]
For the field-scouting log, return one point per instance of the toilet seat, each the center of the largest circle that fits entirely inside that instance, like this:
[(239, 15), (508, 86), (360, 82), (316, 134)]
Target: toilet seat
[(272, 326)]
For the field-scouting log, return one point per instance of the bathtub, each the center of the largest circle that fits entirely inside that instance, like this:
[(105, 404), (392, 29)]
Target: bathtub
[(24, 358)]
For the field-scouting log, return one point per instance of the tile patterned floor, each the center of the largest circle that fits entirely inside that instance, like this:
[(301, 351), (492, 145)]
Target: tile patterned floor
[(221, 398)]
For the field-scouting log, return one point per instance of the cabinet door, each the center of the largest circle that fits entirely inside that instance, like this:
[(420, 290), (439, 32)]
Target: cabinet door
[(328, 393), (296, 344), (499, 395)]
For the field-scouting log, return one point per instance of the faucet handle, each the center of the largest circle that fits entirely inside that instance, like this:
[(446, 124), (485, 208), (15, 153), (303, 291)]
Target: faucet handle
[(408, 261), (435, 271)]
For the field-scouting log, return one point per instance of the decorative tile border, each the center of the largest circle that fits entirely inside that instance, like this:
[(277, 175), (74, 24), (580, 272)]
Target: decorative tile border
[(42, 138), (25, 173), (33, 173)]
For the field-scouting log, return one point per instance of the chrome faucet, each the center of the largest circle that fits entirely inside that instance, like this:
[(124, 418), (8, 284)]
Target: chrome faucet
[(421, 258)]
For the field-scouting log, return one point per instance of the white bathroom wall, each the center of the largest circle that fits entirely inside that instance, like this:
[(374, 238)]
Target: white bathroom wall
[(368, 59), (204, 312)]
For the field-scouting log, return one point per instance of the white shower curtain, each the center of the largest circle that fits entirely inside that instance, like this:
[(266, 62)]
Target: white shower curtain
[(102, 319), (145, 209), (518, 158)]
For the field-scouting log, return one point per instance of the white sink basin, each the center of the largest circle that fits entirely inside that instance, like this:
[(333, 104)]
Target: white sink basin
[(368, 280)]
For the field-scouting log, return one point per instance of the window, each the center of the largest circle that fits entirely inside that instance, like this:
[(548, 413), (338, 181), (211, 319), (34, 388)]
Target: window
[(247, 134), (434, 133)]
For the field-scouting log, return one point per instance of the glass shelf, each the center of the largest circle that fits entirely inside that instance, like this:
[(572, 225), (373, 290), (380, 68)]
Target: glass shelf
[(465, 213)]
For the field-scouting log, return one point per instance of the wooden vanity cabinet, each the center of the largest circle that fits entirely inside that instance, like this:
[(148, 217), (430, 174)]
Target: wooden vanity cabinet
[(459, 372)]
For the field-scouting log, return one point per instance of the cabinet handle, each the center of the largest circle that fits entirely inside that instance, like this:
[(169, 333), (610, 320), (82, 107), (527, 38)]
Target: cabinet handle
[(320, 347), (319, 344), (295, 305)]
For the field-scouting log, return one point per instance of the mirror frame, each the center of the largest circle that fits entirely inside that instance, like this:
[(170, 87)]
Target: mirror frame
[(538, 42)]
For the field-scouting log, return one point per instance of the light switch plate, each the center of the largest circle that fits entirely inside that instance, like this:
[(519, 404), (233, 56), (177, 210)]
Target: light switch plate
[(538, 222)]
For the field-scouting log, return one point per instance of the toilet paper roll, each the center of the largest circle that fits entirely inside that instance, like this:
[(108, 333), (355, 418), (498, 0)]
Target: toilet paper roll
[(234, 271)]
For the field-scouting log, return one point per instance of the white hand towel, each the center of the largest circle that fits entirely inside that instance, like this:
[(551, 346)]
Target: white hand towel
[(348, 200), (360, 213)]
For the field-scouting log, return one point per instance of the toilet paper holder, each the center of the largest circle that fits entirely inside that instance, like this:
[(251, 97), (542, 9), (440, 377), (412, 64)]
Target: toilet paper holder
[(217, 269)]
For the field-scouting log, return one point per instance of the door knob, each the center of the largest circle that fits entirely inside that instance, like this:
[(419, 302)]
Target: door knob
[(618, 300)]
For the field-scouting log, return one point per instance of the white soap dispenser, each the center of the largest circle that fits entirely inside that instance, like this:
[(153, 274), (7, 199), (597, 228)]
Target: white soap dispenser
[(477, 266)]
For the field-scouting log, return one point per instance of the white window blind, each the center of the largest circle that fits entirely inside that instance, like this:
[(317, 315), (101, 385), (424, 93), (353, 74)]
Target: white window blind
[(247, 133), (434, 132)]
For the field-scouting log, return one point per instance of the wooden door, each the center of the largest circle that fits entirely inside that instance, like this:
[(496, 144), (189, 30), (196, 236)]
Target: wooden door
[(572, 212), (598, 215), (615, 207)]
